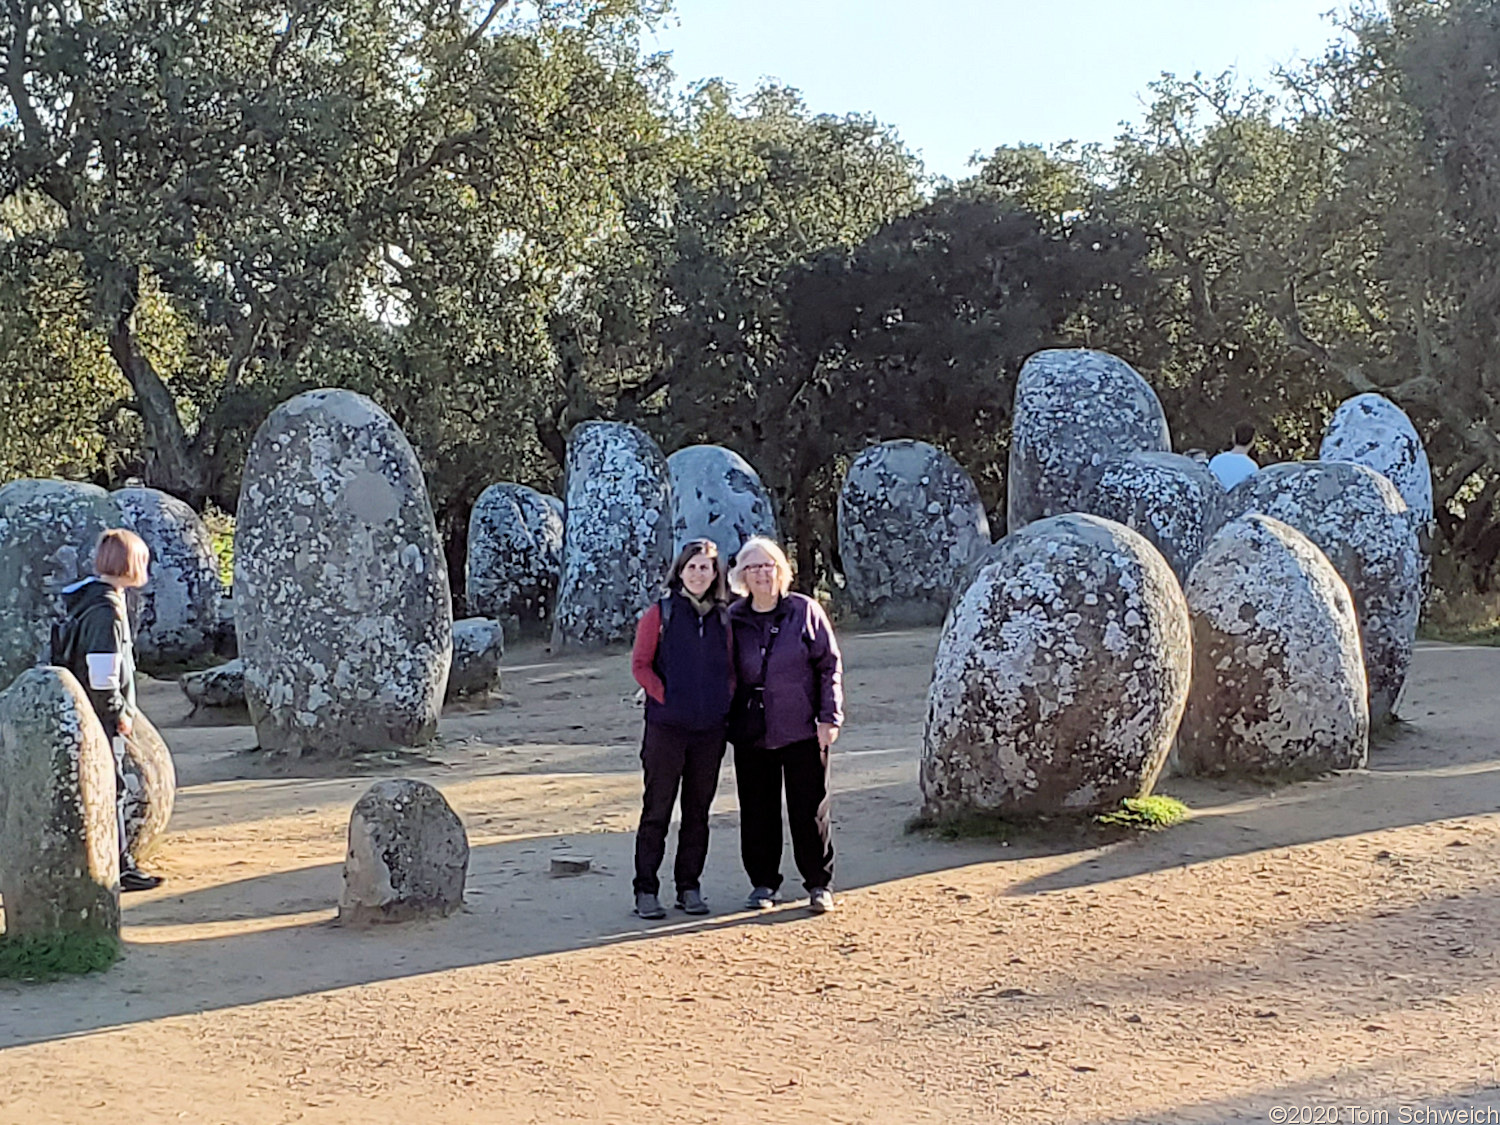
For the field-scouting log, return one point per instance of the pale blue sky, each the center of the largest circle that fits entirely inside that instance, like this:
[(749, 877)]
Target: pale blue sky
[(956, 76)]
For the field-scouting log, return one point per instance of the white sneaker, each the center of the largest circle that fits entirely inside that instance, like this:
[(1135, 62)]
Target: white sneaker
[(821, 900)]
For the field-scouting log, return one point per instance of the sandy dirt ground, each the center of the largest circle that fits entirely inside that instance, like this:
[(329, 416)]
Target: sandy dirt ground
[(1329, 945)]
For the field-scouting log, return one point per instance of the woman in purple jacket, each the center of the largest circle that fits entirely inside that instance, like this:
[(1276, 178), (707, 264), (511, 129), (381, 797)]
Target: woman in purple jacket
[(786, 714)]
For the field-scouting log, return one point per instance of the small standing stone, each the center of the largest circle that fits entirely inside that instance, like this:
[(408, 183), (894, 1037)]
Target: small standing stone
[(176, 616), (59, 841), (717, 495), (150, 788), (408, 856), (478, 648), (514, 557), (1172, 500)]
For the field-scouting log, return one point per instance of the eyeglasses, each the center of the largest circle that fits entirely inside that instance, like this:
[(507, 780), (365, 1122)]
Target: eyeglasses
[(751, 568)]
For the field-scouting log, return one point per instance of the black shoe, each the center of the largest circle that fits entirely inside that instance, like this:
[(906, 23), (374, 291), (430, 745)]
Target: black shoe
[(134, 879), (648, 906), (691, 901), (761, 898)]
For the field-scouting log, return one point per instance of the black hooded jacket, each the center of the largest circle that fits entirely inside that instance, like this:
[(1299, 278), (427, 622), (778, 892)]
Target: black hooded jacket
[(98, 625)]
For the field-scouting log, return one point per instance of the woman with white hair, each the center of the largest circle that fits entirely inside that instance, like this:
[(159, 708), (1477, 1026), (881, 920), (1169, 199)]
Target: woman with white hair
[(787, 710)]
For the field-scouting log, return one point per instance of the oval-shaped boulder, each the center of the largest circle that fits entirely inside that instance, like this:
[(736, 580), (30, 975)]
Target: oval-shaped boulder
[(176, 615), (408, 855), (478, 648), (223, 685), (910, 521), (1060, 677), (1278, 679), (1356, 517), (150, 788), (618, 544), (48, 531), (1172, 500), (717, 495), (342, 609), (1075, 409), (1371, 430), (514, 557)]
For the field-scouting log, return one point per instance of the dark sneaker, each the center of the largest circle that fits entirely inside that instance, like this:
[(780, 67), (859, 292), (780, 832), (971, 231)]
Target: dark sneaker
[(134, 879), (691, 902), (820, 900), (649, 906), (761, 898)]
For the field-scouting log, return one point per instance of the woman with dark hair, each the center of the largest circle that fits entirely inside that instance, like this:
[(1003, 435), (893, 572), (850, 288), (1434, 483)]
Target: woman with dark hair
[(682, 659)]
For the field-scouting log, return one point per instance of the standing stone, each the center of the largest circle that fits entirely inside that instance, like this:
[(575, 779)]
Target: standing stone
[(408, 856), (1278, 680), (1371, 430), (514, 557), (48, 531), (1061, 674), (478, 647), (59, 842), (220, 686), (150, 788), (717, 495), (619, 535), (176, 615), (1075, 410), (341, 591), (1356, 517), (1172, 500), (910, 522)]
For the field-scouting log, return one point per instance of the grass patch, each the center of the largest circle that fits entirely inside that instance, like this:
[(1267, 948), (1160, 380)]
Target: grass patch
[(1135, 814), (56, 955), (220, 526), (1145, 814)]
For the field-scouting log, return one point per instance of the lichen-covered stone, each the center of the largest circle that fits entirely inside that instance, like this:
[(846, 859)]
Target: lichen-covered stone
[(408, 855), (618, 542), (514, 557), (910, 523), (1172, 500), (478, 647), (220, 686), (341, 590), (48, 531), (176, 615), (717, 495), (1356, 517), (1278, 680), (1371, 430), (150, 788), (59, 842), (1061, 674), (1075, 409)]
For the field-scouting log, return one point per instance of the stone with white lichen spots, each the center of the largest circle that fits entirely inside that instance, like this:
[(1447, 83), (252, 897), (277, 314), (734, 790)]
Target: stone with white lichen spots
[(1172, 500), (910, 523), (408, 855), (717, 495), (514, 557), (342, 608), (478, 648), (59, 843), (1356, 517), (1060, 677), (617, 545), (150, 793), (1075, 409), (1278, 680), (1371, 430), (220, 686), (176, 614)]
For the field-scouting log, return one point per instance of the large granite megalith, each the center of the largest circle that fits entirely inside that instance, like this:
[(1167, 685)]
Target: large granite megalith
[(618, 542), (1356, 517), (176, 614), (1371, 430), (1075, 409), (514, 557), (48, 531), (1278, 679), (1060, 676), (59, 842), (717, 495), (909, 523), (408, 855), (341, 592), (1172, 500)]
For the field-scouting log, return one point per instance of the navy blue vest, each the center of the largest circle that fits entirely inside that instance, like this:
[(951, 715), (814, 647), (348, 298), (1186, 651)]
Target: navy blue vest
[(692, 659)]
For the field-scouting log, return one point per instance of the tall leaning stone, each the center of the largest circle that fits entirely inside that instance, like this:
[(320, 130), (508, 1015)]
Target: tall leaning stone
[(1060, 677), (1356, 517), (514, 557), (48, 530), (341, 594), (1371, 430), (1074, 410), (910, 521), (616, 550), (1172, 500), (59, 843), (1278, 680), (717, 495), (176, 616)]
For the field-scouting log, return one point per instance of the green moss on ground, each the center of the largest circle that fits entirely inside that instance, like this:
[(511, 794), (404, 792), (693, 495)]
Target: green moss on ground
[(56, 955)]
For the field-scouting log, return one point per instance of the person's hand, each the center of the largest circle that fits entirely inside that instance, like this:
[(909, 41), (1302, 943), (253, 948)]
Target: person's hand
[(125, 725), (828, 734)]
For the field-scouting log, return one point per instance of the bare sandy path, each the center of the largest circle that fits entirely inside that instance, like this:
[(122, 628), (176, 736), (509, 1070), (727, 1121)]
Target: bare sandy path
[(1333, 943)]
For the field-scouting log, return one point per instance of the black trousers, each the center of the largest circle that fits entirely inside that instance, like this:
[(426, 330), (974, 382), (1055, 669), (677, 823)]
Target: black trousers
[(759, 775), (674, 758)]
